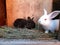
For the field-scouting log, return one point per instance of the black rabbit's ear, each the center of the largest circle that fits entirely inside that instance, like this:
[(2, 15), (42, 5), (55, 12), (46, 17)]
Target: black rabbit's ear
[(32, 18), (28, 17)]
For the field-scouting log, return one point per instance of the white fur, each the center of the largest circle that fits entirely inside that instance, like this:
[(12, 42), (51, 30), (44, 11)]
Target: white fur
[(47, 22)]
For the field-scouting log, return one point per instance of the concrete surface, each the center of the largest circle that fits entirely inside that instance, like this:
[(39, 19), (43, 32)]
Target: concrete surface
[(28, 42)]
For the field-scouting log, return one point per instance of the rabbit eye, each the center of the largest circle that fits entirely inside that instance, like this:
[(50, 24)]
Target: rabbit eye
[(45, 19)]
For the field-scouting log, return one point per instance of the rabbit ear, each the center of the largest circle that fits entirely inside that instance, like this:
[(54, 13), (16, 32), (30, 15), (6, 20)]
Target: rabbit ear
[(54, 14), (45, 12), (32, 18)]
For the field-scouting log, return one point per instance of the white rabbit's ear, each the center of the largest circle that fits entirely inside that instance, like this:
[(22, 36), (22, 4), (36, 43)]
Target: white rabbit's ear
[(54, 14), (45, 12)]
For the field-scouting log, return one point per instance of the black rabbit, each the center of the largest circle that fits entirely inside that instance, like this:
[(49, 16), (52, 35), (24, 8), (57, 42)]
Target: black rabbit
[(30, 23), (19, 23)]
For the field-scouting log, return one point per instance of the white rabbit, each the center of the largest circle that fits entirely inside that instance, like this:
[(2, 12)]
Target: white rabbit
[(47, 22)]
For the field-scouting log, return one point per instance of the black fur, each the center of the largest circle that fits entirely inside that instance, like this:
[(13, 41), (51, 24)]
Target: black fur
[(21, 23), (30, 23)]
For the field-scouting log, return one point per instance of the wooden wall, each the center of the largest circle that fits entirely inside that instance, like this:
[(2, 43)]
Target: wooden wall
[(56, 5), (24, 8), (2, 13)]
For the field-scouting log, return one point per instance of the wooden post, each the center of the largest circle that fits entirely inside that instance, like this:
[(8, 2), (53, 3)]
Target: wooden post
[(24, 8), (2, 13), (47, 4)]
